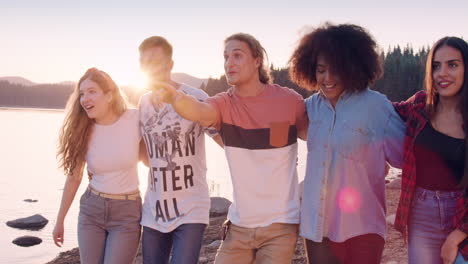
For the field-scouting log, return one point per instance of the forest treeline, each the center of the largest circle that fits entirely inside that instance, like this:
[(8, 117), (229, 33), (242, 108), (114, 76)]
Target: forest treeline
[(51, 96), (404, 71), (403, 76)]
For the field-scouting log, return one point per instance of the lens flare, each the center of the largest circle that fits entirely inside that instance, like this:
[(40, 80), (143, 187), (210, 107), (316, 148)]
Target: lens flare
[(349, 200)]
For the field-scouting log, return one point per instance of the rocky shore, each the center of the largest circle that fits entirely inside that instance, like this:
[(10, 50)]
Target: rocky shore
[(394, 252)]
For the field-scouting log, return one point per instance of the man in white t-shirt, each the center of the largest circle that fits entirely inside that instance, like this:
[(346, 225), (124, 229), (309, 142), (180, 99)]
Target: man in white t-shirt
[(259, 123), (177, 202)]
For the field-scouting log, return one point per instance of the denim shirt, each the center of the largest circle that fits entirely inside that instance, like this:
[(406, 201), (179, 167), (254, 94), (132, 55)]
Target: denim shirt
[(348, 146)]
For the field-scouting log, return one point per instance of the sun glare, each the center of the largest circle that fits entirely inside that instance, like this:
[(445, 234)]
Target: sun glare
[(135, 79)]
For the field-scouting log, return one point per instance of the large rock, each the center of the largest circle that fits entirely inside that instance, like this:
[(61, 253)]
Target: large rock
[(34, 222), (219, 206), (27, 241)]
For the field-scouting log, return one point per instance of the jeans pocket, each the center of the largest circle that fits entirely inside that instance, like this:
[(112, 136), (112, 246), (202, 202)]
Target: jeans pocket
[(127, 209), (84, 197), (419, 195), (86, 206)]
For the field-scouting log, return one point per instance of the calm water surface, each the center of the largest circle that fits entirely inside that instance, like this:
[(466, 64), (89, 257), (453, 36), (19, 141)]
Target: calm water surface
[(28, 168)]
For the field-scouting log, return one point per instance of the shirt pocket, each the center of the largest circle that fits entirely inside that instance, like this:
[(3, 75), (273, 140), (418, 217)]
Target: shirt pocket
[(353, 141), (279, 134), (313, 131)]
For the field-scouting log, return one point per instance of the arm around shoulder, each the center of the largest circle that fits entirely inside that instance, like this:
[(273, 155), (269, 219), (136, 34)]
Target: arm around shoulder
[(394, 138), (404, 108), (302, 121)]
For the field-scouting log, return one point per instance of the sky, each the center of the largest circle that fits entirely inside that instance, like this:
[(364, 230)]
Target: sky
[(54, 41)]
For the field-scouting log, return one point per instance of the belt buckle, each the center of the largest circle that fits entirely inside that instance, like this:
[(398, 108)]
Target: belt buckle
[(132, 197)]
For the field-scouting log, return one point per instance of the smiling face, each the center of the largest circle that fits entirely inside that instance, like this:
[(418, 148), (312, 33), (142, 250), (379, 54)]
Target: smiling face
[(239, 64), (94, 100), (448, 71), (327, 81)]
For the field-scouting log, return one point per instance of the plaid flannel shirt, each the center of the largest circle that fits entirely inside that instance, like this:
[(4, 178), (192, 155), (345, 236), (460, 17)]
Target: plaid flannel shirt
[(413, 113), (461, 222)]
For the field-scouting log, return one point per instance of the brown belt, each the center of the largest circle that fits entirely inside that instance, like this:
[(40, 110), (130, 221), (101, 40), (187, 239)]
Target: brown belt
[(130, 196)]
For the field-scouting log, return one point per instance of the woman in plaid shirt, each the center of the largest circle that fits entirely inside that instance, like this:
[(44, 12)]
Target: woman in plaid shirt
[(434, 173)]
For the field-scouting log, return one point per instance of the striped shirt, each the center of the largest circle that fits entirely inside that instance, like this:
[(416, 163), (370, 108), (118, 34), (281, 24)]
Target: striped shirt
[(260, 138)]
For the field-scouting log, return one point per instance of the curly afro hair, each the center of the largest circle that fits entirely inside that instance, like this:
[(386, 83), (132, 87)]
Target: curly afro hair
[(350, 51)]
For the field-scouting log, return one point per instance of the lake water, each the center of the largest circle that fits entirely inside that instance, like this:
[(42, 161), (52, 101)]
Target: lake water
[(28, 168)]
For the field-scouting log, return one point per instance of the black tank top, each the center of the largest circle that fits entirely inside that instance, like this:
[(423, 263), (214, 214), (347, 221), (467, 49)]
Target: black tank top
[(439, 160)]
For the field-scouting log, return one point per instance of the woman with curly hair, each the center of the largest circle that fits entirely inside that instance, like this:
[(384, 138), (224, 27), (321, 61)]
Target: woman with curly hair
[(102, 133), (352, 133), (435, 174)]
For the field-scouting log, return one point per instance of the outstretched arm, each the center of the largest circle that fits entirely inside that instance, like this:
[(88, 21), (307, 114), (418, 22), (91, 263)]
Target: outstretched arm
[(186, 105)]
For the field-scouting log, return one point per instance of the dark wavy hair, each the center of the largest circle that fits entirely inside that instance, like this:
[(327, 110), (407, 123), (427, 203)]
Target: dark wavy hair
[(350, 50), (257, 51), (432, 98)]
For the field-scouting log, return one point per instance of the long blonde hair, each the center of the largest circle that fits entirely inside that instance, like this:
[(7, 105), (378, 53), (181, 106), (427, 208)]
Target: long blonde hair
[(77, 126)]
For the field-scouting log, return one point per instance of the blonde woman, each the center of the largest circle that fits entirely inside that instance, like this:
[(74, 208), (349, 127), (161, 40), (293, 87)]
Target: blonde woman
[(102, 133)]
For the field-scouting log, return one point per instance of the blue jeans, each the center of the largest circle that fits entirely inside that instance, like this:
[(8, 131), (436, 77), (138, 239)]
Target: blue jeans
[(430, 222), (185, 242), (108, 230)]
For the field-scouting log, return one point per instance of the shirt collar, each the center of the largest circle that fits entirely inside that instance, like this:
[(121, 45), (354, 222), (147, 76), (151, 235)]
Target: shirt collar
[(344, 96)]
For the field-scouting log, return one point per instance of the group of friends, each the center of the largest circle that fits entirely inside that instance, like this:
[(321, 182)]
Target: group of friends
[(352, 134)]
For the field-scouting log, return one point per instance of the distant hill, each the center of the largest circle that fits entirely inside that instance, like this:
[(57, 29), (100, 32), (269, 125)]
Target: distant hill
[(34, 96), (68, 83), (188, 79), (177, 76), (21, 92), (403, 76), (17, 80)]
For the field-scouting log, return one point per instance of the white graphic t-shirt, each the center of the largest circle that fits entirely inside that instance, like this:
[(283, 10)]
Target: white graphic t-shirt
[(177, 190)]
